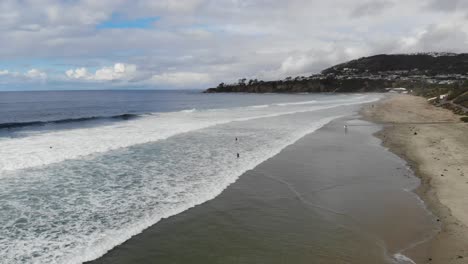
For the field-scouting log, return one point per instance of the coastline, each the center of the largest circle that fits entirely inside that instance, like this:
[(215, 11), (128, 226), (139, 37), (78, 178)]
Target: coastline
[(310, 202), (435, 144)]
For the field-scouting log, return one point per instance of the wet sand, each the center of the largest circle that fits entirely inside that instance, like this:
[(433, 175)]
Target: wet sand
[(332, 197), (436, 145)]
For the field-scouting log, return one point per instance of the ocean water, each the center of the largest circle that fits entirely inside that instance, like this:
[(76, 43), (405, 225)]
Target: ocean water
[(82, 172)]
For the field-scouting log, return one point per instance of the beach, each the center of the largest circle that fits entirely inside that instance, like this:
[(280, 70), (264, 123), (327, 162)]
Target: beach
[(311, 182), (435, 143), (110, 180), (334, 196)]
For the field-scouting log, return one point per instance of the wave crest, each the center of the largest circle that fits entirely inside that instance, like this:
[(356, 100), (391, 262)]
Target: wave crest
[(11, 125)]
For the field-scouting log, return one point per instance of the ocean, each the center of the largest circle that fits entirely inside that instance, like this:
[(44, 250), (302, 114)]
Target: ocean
[(81, 172)]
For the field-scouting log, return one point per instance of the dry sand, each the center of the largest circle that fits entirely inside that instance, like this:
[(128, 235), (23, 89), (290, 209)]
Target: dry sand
[(435, 143)]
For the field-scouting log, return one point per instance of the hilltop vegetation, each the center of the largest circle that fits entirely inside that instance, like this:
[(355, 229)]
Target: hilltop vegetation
[(368, 74), (425, 74), (429, 64), (303, 85)]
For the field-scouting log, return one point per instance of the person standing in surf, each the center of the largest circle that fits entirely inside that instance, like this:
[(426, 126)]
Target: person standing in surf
[(237, 152)]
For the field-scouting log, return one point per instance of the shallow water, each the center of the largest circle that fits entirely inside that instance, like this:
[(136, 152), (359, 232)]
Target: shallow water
[(71, 193), (332, 197)]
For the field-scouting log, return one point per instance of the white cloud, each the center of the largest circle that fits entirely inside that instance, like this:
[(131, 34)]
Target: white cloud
[(35, 73), (179, 6), (445, 5), (204, 42), (30, 75), (79, 73), (181, 79), (120, 71), (296, 64), (447, 36), (371, 8)]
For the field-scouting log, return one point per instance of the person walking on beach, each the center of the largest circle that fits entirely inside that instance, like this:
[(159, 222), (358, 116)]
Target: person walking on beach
[(346, 129)]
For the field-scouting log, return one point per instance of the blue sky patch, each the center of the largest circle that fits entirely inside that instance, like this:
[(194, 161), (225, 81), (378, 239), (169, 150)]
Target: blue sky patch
[(118, 21)]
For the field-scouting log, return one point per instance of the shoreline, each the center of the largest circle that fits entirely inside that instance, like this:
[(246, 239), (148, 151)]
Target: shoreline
[(431, 140), (318, 195)]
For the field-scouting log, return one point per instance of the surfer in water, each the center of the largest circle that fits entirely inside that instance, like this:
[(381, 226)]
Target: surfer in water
[(346, 129), (238, 155)]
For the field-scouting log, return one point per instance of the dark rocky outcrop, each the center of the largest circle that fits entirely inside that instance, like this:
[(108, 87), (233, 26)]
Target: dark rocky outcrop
[(306, 86)]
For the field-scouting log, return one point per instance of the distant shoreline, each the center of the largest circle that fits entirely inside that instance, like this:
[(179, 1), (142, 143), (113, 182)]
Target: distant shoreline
[(437, 154)]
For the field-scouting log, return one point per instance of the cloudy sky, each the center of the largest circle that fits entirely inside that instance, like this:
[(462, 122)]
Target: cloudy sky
[(175, 44)]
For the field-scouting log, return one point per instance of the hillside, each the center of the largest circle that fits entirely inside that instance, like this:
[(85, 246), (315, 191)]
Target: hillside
[(368, 74), (425, 74), (304, 85), (430, 64)]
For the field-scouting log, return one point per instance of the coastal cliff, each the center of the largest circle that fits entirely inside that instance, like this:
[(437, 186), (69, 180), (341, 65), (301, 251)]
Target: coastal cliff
[(369, 74), (304, 85)]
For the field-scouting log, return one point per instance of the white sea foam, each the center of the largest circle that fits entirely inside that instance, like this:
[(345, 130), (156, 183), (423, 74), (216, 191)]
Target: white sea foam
[(75, 211), (109, 211), (259, 106), (402, 259), (298, 103), (189, 110), (40, 149)]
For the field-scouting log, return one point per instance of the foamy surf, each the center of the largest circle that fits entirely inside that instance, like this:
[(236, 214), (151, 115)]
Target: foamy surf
[(77, 210), (298, 103), (402, 259), (259, 106), (189, 110), (39, 149)]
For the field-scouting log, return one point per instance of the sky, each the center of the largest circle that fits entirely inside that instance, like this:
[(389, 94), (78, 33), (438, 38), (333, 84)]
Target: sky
[(196, 44)]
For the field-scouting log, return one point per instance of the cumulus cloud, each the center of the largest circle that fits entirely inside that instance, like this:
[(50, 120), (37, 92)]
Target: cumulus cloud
[(32, 74), (306, 62), (35, 73), (449, 36), (181, 79), (371, 8), (79, 73), (444, 5), (120, 71), (180, 6), (296, 64), (198, 43)]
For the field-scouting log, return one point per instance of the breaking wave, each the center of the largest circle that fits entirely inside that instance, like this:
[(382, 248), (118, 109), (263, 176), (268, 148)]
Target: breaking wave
[(189, 110), (40, 149), (11, 125), (97, 187)]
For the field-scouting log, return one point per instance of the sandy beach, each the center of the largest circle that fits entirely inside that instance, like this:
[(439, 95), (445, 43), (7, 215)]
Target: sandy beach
[(334, 196), (435, 143)]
